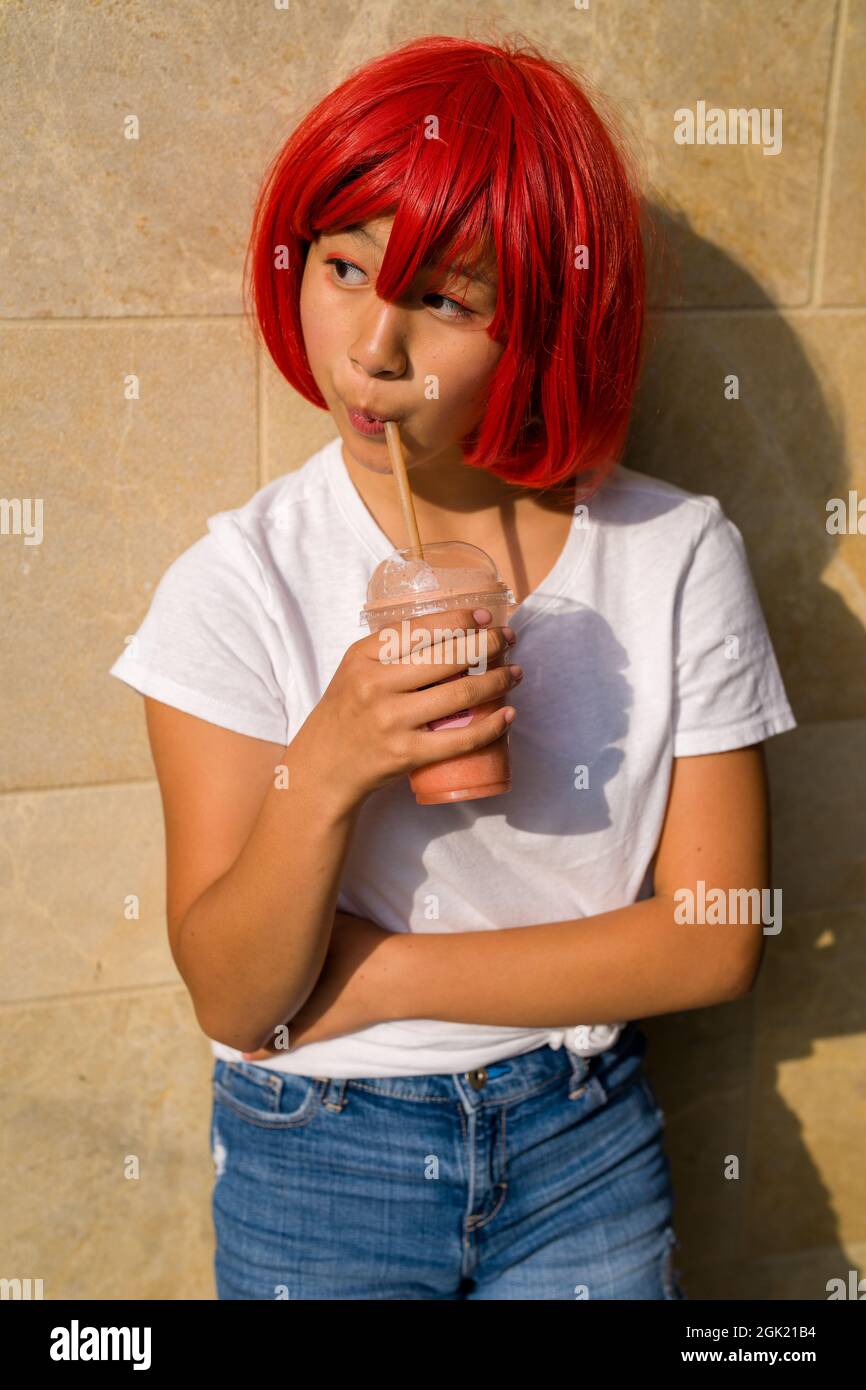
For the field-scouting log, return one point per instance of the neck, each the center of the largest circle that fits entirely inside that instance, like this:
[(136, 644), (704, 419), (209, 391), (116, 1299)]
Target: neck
[(445, 491)]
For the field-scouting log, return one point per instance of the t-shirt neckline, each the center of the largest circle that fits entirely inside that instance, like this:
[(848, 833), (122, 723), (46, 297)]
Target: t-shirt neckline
[(565, 569)]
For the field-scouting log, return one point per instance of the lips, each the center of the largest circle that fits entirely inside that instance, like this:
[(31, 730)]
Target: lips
[(371, 414), (366, 425)]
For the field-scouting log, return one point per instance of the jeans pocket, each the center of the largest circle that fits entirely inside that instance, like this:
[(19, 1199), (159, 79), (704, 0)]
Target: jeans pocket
[(274, 1100)]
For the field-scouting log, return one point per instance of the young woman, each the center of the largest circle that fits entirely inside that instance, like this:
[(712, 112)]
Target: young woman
[(428, 1075)]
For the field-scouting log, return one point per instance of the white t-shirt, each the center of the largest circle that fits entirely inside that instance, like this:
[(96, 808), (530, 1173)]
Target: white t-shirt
[(645, 642)]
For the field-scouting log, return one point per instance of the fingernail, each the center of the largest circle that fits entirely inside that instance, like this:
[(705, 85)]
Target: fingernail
[(510, 635), (482, 615)]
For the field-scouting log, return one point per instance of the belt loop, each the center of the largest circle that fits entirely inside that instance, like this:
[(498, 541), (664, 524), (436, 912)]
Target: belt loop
[(332, 1092), (580, 1068)]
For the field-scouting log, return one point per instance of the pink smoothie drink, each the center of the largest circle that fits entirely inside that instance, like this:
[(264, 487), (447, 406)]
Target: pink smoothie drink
[(452, 574)]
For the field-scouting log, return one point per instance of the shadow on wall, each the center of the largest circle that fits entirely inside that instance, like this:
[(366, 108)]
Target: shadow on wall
[(773, 457)]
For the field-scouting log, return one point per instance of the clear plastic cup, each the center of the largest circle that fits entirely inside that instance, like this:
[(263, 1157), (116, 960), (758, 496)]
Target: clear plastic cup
[(453, 574)]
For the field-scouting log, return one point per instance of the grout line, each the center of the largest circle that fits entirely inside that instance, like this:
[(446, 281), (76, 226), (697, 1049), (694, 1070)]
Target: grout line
[(715, 1262), (679, 311), (761, 310), (828, 149), (79, 786), (154, 782), (117, 992), (801, 912), (119, 320)]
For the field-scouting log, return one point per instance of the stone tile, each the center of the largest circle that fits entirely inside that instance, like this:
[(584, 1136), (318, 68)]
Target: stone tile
[(801, 1106), (795, 439), (698, 1063), (736, 226), (813, 971), (292, 428), (72, 864), (844, 274), (89, 1086), (808, 1133), (809, 1117), (818, 811), (804, 1275), (126, 486), (100, 224)]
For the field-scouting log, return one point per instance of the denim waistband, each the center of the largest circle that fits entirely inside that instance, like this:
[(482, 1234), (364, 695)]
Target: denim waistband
[(506, 1081)]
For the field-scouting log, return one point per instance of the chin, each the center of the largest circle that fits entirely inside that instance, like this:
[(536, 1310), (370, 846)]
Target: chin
[(382, 467), (381, 463)]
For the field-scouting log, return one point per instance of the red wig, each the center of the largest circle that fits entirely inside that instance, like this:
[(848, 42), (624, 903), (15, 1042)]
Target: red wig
[(524, 170)]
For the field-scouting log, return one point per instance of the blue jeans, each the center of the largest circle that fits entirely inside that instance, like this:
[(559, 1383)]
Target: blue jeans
[(544, 1176)]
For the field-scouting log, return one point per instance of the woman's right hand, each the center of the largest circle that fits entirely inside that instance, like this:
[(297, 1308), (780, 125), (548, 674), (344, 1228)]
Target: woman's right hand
[(370, 726)]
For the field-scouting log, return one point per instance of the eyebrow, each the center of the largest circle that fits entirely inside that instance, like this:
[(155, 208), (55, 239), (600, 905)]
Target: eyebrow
[(360, 233)]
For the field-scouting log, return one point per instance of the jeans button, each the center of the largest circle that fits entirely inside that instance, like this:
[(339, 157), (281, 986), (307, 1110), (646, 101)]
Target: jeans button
[(477, 1078)]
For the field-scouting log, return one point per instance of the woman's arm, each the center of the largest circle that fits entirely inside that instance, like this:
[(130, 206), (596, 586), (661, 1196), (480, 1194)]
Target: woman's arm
[(633, 962), (256, 836)]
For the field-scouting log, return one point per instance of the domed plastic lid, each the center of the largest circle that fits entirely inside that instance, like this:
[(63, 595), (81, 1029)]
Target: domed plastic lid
[(452, 574)]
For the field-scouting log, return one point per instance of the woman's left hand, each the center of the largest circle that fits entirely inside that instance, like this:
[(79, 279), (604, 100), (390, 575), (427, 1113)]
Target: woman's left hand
[(355, 989)]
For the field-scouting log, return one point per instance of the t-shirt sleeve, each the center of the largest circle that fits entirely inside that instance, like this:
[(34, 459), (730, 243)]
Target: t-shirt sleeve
[(208, 645), (728, 690)]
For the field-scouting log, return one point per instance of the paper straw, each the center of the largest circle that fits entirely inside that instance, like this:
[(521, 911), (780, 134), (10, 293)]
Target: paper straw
[(398, 465)]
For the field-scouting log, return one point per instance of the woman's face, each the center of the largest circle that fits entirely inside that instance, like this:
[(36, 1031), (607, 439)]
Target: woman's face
[(424, 361)]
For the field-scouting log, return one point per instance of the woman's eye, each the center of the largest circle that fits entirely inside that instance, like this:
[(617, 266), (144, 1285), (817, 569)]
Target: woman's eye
[(337, 261), (457, 310), (460, 311)]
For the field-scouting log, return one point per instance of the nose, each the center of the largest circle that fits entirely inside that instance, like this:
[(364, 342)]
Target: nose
[(380, 346)]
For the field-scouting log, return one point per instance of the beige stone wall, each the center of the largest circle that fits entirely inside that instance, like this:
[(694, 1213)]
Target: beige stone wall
[(123, 257)]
